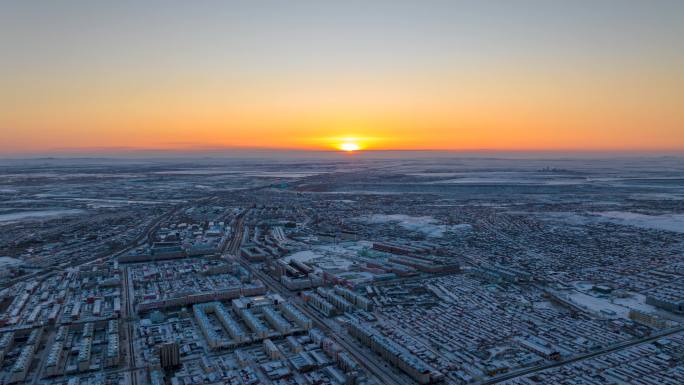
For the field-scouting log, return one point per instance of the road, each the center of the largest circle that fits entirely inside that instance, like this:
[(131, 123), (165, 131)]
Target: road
[(233, 247), (127, 317)]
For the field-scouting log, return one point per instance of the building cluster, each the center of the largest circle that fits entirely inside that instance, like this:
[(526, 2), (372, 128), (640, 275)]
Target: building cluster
[(252, 339), (302, 359), (90, 293), (396, 354), (79, 307), (669, 296), (294, 274), (470, 330), (657, 362), (417, 256), (249, 319), (60, 241), (356, 264), (249, 274), (267, 231), (338, 300), (181, 240), (190, 281)]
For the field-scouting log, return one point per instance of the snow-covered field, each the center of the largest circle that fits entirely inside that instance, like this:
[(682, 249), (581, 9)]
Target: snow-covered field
[(669, 222), (425, 224), (501, 177), (485, 180), (302, 256), (621, 306), (6, 263), (38, 214), (658, 196), (344, 248), (637, 302), (596, 304), (330, 256), (278, 174)]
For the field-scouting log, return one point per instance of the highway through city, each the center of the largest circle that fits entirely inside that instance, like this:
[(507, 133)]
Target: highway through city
[(128, 317), (233, 246)]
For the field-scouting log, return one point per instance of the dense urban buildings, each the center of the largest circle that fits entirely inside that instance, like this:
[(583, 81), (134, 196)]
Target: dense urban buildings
[(346, 270)]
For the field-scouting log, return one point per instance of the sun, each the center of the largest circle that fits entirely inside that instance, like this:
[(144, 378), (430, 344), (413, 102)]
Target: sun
[(349, 147)]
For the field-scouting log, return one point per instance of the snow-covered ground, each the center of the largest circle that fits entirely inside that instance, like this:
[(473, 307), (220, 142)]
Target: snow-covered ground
[(501, 177), (637, 302), (38, 214), (596, 304), (514, 181), (582, 285), (6, 263), (302, 256), (425, 224), (658, 196), (669, 222), (330, 256), (278, 174), (357, 277), (621, 306), (543, 305), (344, 248), (9, 261)]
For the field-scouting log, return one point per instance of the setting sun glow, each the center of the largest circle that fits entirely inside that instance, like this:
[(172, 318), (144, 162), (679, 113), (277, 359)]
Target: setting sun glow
[(349, 147), (409, 75)]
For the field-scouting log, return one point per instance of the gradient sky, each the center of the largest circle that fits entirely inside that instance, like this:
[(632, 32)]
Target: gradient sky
[(461, 75)]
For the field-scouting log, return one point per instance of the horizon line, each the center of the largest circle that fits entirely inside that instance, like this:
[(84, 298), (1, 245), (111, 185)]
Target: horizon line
[(201, 149), (243, 152)]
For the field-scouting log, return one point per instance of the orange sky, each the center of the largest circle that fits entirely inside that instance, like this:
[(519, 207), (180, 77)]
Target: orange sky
[(66, 91)]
